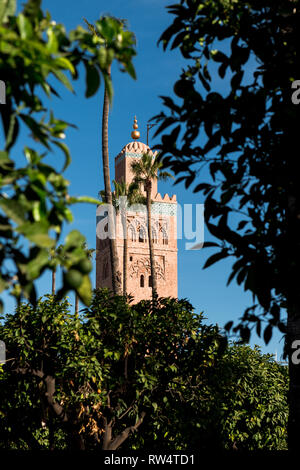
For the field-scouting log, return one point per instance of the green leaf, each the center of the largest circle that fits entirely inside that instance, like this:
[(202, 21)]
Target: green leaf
[(85, 290), (7, 8), (210, 244), (52, 44), (88, 199), (74, 239), (92, 79), (155, 406), (62, 78), (219, 56), (228, 326), (34, 267), (214, 258), (68, 215), (36, 128), (64, 63), (268, 333), (131, 70), (31, 155), (24, 26), (13, 209), (37, 232), (5, 161), (66, 151)]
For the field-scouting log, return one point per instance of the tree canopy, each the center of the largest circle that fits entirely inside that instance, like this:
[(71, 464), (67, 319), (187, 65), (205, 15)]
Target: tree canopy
[(151, 375)]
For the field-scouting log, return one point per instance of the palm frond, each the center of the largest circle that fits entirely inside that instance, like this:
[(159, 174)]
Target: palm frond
[(149, 168)]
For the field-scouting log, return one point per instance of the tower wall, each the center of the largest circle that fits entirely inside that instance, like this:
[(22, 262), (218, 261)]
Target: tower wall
[(164, 226), (123, 162)]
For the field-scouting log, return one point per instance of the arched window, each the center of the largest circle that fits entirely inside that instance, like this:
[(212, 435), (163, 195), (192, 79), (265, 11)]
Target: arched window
[(164, 237), (142, 281), (142, 235), (132, 233), (154, 236), (150, 281)]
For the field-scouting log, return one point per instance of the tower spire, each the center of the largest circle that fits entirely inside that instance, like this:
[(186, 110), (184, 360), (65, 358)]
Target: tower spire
[(135, 134)]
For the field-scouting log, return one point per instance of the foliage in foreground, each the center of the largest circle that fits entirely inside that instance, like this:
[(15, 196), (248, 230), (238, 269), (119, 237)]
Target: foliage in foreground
[(136, 376), (233, 115), (37, 59)]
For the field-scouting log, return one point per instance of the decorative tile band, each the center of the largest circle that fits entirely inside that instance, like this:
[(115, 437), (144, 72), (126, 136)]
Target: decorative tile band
[(121, 157), (162, 208)]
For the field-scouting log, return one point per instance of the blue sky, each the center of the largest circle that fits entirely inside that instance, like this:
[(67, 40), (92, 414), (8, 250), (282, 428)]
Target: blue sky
[(157, 71)]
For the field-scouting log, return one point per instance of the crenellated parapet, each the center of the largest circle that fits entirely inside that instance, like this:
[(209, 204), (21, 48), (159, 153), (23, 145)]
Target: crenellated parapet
[(165, 198)]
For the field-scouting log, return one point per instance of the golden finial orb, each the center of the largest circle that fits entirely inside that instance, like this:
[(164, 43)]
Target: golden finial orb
[(135, 134)]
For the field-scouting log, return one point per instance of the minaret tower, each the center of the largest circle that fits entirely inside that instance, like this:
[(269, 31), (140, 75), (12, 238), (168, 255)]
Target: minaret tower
[(164, 230)]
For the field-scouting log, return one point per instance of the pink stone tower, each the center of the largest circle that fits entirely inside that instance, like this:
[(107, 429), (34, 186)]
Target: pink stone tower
[(164, 228)]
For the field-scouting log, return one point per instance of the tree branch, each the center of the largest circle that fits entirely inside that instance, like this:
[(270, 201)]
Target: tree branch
[(115, 443), (50, 389)]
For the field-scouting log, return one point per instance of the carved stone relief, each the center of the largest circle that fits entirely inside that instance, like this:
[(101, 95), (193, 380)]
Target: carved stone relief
[(142, 266)]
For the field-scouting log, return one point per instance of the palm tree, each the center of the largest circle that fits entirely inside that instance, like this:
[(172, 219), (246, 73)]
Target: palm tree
[(108, 196), (54, 281), (146, 169), (132, 195), (116, 285)]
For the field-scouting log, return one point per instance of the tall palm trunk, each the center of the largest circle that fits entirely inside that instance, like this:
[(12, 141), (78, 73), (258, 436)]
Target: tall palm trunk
[(53, 281), (125, 250), (151, 248), (105, 158), (76, 304)]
